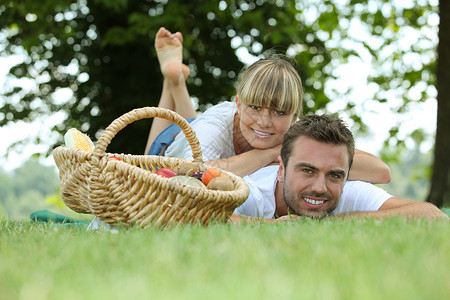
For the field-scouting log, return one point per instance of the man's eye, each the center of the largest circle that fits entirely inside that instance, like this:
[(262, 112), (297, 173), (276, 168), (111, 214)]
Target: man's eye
[(307, 171), (336, 176)]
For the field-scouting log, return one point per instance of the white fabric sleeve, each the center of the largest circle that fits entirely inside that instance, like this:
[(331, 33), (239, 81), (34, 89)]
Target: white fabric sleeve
[(253, 206), (261, 200), (361, 196), (214, 132)]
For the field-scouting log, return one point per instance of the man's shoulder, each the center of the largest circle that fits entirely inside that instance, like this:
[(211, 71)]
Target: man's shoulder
[(361, 187), (261, 200), (361, 196), (264, 174)]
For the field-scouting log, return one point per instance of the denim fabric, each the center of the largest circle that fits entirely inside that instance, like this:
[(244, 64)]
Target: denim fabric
[(165, 138)]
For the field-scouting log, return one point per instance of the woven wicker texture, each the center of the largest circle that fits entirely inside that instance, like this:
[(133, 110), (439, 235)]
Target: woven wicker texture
[(129, 192)]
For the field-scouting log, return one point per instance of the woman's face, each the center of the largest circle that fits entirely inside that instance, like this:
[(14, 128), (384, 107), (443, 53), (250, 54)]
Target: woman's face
[(263, 127)]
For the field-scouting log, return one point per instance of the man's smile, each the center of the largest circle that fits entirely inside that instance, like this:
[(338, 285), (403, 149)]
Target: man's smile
[(314, 202)]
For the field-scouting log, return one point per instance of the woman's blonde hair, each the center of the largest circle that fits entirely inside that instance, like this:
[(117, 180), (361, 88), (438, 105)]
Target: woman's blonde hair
[(272, 83)]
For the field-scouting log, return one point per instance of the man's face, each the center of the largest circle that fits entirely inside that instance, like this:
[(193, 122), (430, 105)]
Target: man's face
[(314, 177)]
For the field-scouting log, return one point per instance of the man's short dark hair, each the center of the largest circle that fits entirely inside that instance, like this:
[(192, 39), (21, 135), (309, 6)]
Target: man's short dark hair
[(325, 128)]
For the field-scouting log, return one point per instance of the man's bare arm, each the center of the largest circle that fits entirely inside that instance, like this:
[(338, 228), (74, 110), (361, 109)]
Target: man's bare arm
[(401, 207)]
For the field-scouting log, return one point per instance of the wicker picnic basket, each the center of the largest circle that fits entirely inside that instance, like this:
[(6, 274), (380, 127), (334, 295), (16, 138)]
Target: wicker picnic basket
[(128, 191)]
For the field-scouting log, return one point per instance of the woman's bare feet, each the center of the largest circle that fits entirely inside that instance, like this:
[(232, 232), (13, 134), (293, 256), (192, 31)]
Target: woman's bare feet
[(174, 96), (169, 50)]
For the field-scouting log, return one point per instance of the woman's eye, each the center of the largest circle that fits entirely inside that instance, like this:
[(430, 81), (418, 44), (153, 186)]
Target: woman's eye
[(254, 107), (280, 112)]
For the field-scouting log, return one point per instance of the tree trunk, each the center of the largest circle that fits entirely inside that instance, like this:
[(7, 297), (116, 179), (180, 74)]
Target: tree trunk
[(440, 182)]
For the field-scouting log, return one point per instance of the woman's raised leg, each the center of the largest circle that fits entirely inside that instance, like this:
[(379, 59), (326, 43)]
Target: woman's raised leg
[(174, 94)]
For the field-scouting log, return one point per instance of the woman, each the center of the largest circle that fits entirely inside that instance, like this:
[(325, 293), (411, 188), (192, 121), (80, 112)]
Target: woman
[(245, 135)]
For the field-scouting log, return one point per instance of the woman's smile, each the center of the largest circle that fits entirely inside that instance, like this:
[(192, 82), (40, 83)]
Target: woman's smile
[(262, 134)]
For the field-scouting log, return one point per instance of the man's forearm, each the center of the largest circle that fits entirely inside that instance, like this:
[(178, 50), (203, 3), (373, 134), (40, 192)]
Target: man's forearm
[(415, 210)]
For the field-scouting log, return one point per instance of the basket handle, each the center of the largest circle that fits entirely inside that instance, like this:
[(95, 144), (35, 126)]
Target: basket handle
[(148, 112)]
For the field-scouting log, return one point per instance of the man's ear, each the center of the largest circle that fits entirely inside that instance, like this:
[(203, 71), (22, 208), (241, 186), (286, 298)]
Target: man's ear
[(280, 174)]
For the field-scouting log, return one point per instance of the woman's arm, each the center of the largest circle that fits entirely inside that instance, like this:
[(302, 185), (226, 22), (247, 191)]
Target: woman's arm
[(369, 168), (248, 162)]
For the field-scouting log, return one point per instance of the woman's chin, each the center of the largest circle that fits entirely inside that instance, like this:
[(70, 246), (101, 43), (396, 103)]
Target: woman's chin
[(258, 144)]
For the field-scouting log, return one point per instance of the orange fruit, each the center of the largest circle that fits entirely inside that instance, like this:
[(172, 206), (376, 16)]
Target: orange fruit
[(209, 174)]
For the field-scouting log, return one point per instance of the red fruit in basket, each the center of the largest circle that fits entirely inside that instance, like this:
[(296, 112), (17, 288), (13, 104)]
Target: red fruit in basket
[(166, 172), (209, 174)]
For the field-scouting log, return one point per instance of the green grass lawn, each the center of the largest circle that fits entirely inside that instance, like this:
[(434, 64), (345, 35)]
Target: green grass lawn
[(307, 259)]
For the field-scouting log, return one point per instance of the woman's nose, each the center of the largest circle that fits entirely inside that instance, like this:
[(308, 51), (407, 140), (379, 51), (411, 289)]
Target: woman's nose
[(264, 119)]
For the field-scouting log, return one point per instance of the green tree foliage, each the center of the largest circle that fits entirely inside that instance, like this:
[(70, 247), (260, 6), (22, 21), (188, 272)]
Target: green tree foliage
[(34, 176), (6, 186), (6, 192), (408, 180), (102, 51), (26, 188)]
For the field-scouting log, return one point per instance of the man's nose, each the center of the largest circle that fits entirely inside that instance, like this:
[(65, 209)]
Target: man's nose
[(319, 185)]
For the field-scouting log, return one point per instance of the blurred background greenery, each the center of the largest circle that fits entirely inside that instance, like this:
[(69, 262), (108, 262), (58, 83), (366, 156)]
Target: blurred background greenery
[(85, 63)]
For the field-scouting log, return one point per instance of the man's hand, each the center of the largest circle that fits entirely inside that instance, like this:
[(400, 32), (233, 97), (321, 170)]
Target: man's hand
[(287, 218), (240, 219)]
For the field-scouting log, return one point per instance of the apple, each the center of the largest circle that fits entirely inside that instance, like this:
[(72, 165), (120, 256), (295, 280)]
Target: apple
[(166, 172)]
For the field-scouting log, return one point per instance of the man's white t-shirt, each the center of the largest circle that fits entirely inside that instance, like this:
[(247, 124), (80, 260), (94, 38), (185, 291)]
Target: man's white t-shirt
[(356, 195), (214, 130)]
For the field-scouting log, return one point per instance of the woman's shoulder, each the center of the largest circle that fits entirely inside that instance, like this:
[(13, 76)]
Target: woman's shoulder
[(223, 108), (217, 116), (220, 115)]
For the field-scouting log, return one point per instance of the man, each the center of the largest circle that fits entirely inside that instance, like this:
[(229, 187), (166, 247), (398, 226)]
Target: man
[(316, 156)]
